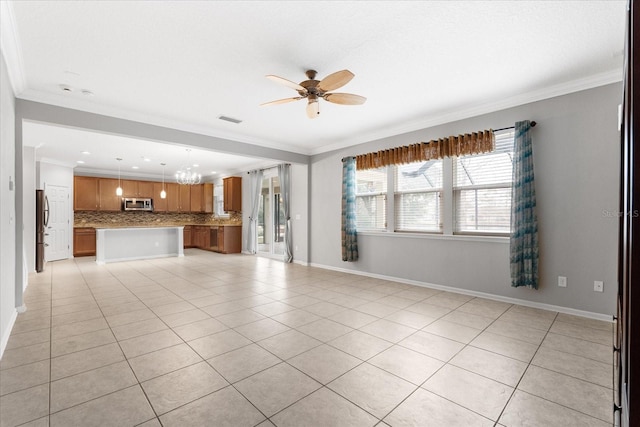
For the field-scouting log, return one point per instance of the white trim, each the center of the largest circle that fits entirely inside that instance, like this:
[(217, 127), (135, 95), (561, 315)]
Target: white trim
[(10, 45), (303, 263), (7, 332), (572, 86), (526, 303)]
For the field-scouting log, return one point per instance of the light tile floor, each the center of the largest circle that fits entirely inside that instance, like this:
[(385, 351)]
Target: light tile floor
[(215, 340)]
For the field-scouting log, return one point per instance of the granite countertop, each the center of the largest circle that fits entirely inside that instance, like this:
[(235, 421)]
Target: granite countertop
[(159, 225)]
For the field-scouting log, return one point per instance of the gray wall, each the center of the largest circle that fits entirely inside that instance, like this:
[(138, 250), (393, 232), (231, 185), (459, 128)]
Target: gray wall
[(576, 154), (29, 197), (7, 207), (300, 212)]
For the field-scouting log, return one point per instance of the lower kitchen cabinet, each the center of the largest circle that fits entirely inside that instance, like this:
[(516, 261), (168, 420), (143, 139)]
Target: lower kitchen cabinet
[(188, 236), (84, 241), (226, 239)]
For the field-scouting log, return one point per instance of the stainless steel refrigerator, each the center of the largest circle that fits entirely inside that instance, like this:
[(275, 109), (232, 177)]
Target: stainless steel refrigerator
[(42, 221)]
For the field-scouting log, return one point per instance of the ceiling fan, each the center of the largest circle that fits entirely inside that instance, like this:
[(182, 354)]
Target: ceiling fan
[(313, 90)]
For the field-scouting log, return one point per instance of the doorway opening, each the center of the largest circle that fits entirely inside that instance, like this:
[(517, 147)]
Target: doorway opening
[(271, 220)]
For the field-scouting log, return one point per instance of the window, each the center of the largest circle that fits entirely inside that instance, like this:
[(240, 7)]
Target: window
[(461, 195), (482, 189), (418, 191), (371, 199), (218, 201)]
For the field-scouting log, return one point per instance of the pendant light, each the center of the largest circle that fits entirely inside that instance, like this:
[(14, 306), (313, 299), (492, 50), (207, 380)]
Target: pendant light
[(163, 194), (119, 189)]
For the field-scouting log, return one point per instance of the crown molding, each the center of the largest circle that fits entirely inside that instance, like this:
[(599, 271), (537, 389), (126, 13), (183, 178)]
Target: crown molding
[(565, 88), (10, 46)]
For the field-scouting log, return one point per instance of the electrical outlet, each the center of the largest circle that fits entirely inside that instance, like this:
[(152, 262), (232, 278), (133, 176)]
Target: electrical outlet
[(598, 286), (562, 281)]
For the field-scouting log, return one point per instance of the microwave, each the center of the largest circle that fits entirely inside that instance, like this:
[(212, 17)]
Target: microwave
[(137, 204)]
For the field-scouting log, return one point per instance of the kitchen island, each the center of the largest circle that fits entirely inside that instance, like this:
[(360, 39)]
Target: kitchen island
[(132, 243)]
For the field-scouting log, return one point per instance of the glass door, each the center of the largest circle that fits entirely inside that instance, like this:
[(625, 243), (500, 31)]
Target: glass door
[(270, 222)]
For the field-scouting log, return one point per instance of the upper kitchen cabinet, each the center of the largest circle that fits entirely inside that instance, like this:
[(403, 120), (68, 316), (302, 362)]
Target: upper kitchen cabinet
[(159, 204), (85, 193), (173, 197), (197, 198), (208, 197), (107, 198), (137, 188), (184, 204), (233, 194)]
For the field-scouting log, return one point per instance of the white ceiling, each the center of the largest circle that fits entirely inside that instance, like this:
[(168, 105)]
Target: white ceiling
[(99, 151), (184, 63)]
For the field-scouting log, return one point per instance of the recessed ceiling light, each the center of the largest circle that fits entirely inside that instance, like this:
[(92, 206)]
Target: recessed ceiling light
[(86, 92), (146, 159), (86, 153), (135, 167), (66, 88), (80, 161), (214, 172), (196, 165)]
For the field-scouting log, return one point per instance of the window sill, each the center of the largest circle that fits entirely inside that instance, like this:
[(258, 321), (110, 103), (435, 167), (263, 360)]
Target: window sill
[(434, 236)]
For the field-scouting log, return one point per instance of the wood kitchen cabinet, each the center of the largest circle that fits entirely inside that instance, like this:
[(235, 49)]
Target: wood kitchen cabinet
[(208, 197), (184, 203), (173, 197), (200, 237), (107, 198), (84, 241), (225, 239), (188, 236), (85, 193), (197, 198), (159, 204), (232, 194), (137, 188)]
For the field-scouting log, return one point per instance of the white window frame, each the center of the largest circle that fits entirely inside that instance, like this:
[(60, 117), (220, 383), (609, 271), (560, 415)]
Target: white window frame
[(448, 214)]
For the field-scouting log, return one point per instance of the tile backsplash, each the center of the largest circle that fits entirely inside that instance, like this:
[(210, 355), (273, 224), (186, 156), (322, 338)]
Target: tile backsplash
[(89, 218)]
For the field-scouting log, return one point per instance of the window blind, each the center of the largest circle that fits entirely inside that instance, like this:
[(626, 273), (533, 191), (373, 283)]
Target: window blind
[(482, 188)]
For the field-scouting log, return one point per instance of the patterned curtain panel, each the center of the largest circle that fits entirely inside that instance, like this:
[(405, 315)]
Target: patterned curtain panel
[(349, 233), (524, 224), (256, 187), (284, 174)]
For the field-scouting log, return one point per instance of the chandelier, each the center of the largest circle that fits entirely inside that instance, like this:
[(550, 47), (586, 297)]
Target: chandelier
[(186, 176)]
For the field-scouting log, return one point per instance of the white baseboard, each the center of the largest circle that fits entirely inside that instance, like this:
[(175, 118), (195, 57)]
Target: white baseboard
[(304, 263), (7, 332), (526, 303)]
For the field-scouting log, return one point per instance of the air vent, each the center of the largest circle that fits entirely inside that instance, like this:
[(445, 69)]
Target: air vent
[(230, 119)]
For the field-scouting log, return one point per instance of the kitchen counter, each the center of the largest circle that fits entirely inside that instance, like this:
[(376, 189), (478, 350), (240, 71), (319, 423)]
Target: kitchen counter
[(115, 244), (108, 226)]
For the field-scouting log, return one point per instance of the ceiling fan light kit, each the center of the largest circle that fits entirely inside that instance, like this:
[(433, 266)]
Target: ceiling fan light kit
[(313, 89)]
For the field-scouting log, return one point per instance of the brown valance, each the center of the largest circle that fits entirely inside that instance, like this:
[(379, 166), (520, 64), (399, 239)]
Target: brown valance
[(469, 143)]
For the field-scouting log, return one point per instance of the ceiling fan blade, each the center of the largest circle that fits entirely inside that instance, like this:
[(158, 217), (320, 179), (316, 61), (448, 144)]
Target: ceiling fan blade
[(335, 80), (345, 98), (313, 109), (286, 82), (282, 101)]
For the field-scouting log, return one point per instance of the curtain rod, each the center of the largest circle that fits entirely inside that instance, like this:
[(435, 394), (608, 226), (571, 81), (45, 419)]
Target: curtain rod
[(270, 167), (533, 124)]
